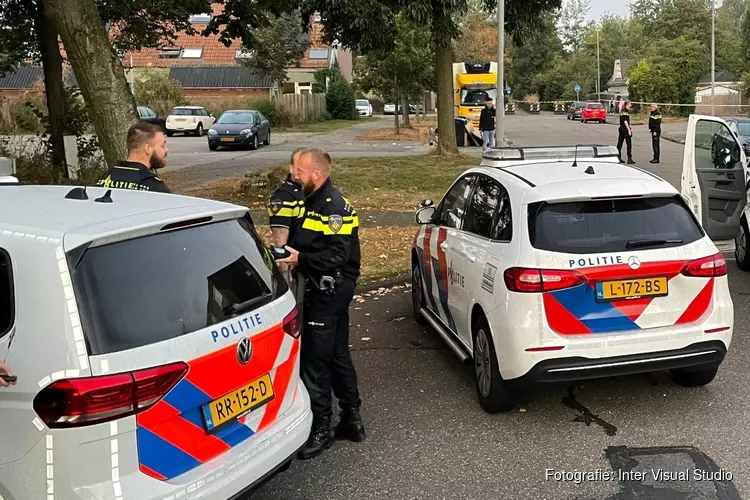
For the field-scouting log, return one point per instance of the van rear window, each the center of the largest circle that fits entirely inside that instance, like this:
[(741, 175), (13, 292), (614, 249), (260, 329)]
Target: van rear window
[(612, 225), (154, 288)]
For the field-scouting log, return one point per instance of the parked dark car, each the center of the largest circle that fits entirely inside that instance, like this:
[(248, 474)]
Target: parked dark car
[(575, 109), (147, 115), (741, 129), (240, 127)]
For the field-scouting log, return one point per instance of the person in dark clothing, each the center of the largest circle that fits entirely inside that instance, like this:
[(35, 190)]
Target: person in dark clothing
[(147, 152), (326, 250), (654, 126), (487, 126), (625, 133)]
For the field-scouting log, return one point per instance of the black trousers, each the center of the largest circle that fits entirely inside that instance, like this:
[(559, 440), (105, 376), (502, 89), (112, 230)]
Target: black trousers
[(628, 140), (326, 362), (655, 144)]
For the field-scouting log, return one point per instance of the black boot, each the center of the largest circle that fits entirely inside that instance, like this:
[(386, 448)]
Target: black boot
[(320, 439), (350, 426), (631, 161)]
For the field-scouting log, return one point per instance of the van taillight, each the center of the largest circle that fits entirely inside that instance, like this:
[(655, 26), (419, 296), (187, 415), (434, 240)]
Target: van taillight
[(87, 401), (292, 325), (707, 267), (520, 279)]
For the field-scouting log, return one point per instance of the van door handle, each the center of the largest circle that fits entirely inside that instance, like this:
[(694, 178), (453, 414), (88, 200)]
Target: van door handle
[(444, 245)]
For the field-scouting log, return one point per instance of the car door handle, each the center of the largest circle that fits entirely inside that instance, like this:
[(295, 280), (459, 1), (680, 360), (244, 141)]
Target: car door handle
[(444, 245)]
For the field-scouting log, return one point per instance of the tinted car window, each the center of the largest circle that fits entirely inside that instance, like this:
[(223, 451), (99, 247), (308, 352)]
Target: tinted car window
[(453, 206), (182, 112), (595, 106), (7, 300), (482, 209), (712, 140), (503, 224), (611, 225), (154, 288), (236, 118)]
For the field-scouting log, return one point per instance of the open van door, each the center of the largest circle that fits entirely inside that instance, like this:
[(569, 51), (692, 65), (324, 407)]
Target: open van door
[(713, 178)]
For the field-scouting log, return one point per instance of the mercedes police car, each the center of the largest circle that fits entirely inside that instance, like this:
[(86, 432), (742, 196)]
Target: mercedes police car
[(156, 346), (560, 264)]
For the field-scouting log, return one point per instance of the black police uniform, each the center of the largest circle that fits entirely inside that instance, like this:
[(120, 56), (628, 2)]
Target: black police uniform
[(624, 136), (133, 175), (286, 208), (329, 254), (654, 125)]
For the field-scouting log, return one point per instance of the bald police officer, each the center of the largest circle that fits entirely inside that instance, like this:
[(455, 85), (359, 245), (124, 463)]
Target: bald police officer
[(147, 152)]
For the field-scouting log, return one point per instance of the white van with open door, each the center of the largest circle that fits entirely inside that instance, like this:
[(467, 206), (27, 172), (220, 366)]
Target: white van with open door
[(714, 183)]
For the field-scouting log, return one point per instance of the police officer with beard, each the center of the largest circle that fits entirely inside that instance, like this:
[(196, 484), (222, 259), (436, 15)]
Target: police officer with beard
[(326, 250), (147, 152)]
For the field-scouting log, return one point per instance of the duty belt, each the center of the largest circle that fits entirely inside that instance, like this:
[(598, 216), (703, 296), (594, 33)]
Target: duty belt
[(326, 284)]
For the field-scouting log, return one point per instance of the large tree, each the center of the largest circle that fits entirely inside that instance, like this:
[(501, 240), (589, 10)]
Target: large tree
[(477, 40), (533, 57), (573, 23)]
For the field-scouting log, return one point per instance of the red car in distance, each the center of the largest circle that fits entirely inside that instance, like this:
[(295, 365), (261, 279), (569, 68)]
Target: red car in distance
[(594, 111)]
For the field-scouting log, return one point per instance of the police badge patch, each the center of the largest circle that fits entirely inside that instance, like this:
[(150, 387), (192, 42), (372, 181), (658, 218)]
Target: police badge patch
[(335, 222), (275, 206)]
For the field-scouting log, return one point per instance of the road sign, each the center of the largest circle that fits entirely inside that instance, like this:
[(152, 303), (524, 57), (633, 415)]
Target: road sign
[(577, 88)]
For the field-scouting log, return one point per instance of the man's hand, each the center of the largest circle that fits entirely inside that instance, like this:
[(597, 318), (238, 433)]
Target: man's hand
[(654, 133), (4, 370), (293, 258)]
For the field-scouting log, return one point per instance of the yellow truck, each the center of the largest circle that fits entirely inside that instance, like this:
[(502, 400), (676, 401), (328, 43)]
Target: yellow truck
[(473, 84)]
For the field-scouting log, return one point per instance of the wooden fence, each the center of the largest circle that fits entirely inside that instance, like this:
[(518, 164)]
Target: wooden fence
[(303, 108), (726, 105)]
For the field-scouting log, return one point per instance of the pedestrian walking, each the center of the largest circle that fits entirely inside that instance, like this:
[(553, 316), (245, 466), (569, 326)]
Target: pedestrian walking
[(625, 133), (654, 126), (487, 126), (326, 250), (147, 152)]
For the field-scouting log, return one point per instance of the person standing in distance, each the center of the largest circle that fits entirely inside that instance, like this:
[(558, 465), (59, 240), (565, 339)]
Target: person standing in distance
[(654, 126), (326, 250), (286, 208), (147, 152), (487, 126), (625, 133)]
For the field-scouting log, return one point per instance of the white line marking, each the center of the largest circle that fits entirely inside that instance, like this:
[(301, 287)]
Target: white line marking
[(50, 469)]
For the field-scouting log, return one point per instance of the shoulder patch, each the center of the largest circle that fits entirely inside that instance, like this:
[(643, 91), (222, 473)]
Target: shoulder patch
[(275, 205), (335, 222)]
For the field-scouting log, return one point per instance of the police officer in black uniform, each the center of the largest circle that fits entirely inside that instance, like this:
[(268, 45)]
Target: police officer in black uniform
[(286, 208), (326, 249), (147, 152), (654, 126), (626, 133)]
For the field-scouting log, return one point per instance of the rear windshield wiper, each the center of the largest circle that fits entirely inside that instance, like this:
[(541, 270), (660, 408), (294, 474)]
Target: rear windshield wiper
[(245, 306), (650, 243)]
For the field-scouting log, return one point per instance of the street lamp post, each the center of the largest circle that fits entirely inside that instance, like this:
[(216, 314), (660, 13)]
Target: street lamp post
[(713, 59), (500, 109), (598, 70)]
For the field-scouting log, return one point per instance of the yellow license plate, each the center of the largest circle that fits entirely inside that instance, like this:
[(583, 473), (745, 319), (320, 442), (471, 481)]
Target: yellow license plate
[(631, 289), (239, 402), (227, 139)]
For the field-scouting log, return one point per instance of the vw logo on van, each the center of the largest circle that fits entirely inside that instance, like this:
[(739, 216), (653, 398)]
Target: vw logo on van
[(244, 351)]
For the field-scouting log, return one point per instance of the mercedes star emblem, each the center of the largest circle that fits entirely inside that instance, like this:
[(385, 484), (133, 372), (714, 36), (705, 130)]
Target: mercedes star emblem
[(244, 351), (634, 262)]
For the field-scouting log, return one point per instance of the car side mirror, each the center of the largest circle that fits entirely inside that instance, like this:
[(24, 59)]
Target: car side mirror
[(424, 214)]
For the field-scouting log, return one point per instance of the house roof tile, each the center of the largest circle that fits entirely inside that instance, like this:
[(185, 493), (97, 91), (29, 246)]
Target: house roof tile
[(216, 77)]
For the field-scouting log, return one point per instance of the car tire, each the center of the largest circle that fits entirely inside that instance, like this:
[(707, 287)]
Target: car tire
[(267, 142), (417, 293), (169, 134), (285, 467), (741, 247), (213, 147), (493, 393), (255, 145), (199, 130), (694, 377)]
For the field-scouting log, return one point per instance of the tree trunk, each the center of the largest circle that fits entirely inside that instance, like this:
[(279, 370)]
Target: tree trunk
[(54, 87), (405, 111), (100, 75), (395, 100), (444, 69)]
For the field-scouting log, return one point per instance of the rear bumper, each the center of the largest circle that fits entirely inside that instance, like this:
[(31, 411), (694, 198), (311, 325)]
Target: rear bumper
[(573, 369), (239, 140)]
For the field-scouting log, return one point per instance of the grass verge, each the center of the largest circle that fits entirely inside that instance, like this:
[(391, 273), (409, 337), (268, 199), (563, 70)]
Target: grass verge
[(385, 250), (417, 131), (324, 126), (389, 183)]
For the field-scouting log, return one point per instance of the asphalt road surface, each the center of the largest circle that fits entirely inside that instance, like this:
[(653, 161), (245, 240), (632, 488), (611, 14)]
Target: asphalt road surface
[(428, 438)]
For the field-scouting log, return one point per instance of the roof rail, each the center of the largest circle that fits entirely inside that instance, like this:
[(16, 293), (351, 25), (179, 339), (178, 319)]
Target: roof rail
[(571, 153)]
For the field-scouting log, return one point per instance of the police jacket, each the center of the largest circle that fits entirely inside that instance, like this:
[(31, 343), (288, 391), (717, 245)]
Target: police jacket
[(654, 121), (624, 118), (487, 119), (328, 239), (287, 206), (133, 175)]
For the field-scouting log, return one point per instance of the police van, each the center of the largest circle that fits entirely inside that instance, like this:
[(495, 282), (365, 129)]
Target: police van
[(559, 264), (156, 346)]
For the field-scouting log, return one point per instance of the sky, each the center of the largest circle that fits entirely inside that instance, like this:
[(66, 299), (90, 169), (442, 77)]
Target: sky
[(615, 7)]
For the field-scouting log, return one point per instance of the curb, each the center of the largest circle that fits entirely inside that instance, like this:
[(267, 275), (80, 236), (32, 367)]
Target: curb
[(369, 286), (671, 139)]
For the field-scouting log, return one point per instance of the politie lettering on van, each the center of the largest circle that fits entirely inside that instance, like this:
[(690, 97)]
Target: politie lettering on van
[(166, 363)]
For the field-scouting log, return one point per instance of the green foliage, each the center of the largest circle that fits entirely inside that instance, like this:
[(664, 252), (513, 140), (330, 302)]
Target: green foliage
[(156, 90), (340, 96), (535, 56), (270, 110), (653, 82)]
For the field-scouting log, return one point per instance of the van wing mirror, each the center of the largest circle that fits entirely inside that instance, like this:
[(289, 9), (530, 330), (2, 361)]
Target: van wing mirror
[(424, 214)]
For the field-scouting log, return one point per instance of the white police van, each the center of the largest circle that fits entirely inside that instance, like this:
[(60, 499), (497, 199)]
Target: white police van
[(156, 346), (560, 264)]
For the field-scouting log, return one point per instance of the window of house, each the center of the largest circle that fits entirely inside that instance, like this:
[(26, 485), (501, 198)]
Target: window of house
[(170, 53), (192, 53), (7, 296), (318, 53), (200, 18)]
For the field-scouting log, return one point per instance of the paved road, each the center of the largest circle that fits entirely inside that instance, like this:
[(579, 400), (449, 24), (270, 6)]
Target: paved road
[(429, 439)]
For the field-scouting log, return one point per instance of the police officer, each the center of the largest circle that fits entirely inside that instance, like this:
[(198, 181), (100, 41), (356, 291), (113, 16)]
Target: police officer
[(654, 126), (286, 208), (326, 249), (626, 133), (147, 152)]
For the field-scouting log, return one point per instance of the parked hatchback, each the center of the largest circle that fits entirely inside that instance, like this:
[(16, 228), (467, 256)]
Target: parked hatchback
[(240, 127), (189, 120), (156, 346)]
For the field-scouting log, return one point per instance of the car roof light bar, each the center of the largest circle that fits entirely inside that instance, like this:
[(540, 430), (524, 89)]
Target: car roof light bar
[(551, 153)]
